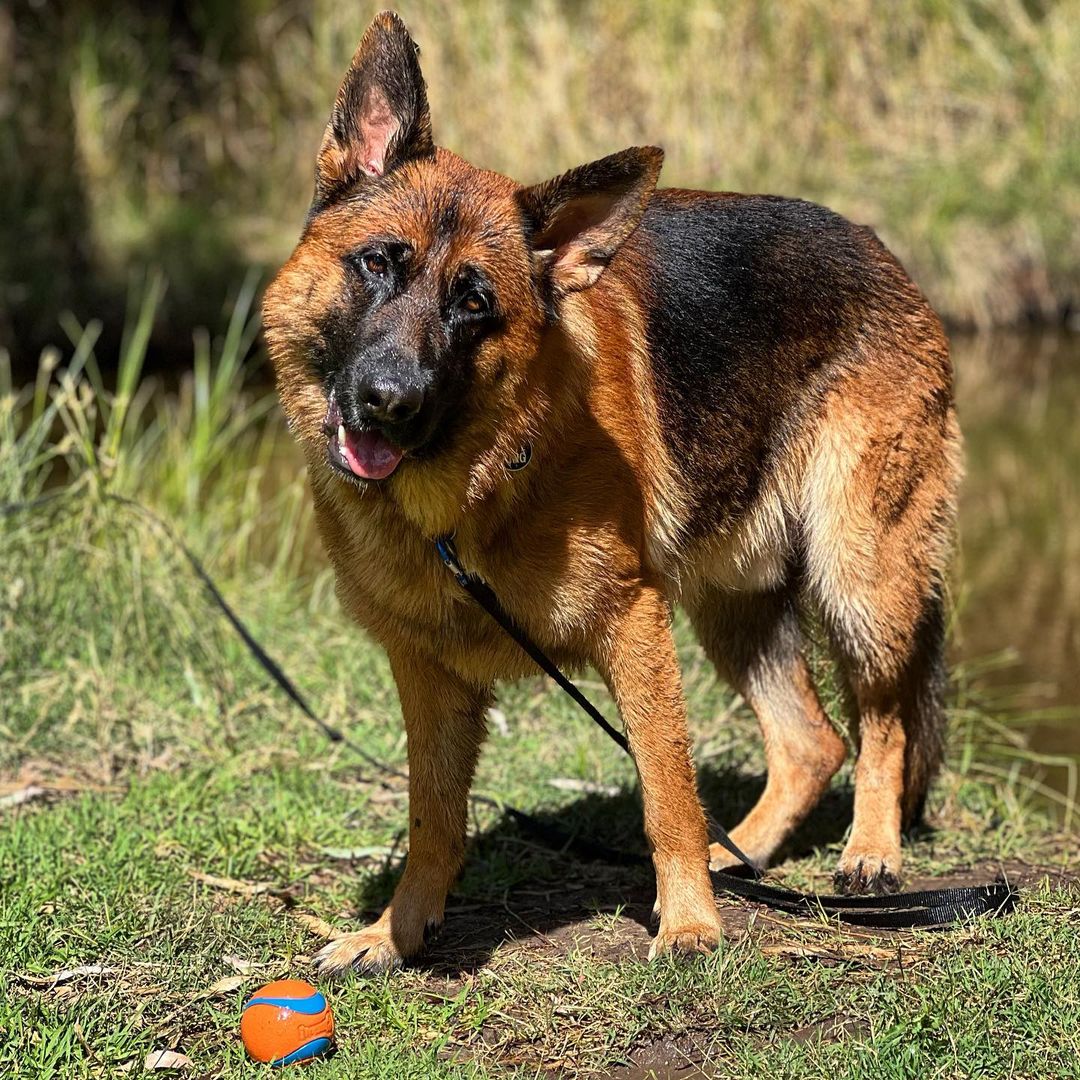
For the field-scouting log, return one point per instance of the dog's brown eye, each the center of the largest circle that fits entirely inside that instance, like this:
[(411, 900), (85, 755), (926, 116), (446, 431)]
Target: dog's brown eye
[(475, 303), (374, 263)]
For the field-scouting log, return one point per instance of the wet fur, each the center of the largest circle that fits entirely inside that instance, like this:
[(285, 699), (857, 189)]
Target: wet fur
[(740, 403)]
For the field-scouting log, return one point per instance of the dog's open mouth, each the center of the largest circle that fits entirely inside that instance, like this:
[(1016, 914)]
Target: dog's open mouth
[(369, 455)]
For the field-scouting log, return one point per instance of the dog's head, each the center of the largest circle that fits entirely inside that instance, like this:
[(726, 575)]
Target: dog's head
[(416, 300)]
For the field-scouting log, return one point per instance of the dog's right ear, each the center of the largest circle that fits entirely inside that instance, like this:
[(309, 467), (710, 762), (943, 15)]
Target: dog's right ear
[(381, 116)]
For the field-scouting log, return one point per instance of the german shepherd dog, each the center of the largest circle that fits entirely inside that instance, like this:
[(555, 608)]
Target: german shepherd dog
[(739, 403)]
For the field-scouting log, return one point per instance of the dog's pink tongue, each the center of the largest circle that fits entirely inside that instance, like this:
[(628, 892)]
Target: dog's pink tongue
[(370, 455)]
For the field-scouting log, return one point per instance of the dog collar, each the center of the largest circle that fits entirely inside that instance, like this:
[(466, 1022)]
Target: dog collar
[(524, 456)]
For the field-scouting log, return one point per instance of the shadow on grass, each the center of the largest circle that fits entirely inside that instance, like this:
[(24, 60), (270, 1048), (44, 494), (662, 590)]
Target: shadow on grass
[(516, 887)]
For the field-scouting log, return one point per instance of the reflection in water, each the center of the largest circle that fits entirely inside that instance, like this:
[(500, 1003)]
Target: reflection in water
[(1019, 572)]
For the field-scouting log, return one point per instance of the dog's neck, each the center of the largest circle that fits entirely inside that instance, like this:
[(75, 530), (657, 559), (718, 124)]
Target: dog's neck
[(469, 487)]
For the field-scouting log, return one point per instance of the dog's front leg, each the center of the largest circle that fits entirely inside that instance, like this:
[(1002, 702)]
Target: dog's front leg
[(444, 722), (642, 671)]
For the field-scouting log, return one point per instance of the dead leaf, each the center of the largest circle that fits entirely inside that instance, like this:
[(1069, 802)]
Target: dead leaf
[(245, 967), (167, 1059), (71, 784), (227, 884), (23, 795), (353, 854), (785, 948), (225, 985), (498, 721), (47, 982), (37, 786), (319, 927)]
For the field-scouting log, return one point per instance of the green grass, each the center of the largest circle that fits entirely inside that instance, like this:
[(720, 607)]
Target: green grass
[(166, 760), (184, 766)]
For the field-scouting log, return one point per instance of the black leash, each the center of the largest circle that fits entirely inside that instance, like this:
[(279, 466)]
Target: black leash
[(481, 592), (927, 907), (930, 907)]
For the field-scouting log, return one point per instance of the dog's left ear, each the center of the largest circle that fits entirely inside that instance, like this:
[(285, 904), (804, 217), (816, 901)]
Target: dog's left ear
[(381, 116), (578, 221)]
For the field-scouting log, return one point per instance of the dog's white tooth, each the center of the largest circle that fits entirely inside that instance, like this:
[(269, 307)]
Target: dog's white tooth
[(341, 434)]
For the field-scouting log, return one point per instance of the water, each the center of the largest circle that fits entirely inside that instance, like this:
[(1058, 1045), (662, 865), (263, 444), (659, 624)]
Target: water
[(1018, 579)]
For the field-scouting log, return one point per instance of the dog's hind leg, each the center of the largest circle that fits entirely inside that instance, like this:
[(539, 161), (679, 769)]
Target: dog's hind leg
[(901, 729), (879, 499), (755, 643)]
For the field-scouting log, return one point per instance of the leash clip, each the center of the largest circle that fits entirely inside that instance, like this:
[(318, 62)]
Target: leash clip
[(444, 545)]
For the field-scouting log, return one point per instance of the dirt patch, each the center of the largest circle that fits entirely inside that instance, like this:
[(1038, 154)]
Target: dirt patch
[(556, 919), (540, 925), (678, 1058)]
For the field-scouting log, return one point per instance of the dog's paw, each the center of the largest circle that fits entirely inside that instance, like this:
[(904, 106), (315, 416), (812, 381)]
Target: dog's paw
[(366, 952), (861, 873), (688, 939)]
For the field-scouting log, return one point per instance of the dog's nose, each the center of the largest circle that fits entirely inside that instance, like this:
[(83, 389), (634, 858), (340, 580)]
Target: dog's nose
[(388, 399)]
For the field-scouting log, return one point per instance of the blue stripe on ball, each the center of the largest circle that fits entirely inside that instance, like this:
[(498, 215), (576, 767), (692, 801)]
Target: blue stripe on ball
[(308, 1050), (309, 1006)]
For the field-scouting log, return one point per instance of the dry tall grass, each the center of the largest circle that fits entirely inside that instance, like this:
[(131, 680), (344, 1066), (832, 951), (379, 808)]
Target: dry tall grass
[(953, 126)]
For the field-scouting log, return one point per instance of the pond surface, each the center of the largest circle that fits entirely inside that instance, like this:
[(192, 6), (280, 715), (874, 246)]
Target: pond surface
[(1018, 580)]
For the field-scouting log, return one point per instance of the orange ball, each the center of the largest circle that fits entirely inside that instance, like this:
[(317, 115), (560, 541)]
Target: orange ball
[(287, 1021)]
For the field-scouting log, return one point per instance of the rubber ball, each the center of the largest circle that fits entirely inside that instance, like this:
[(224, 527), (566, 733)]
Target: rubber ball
[(286, 1022)]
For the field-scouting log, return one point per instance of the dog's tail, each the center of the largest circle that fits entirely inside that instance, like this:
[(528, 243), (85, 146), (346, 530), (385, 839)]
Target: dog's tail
[(923, 705)]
